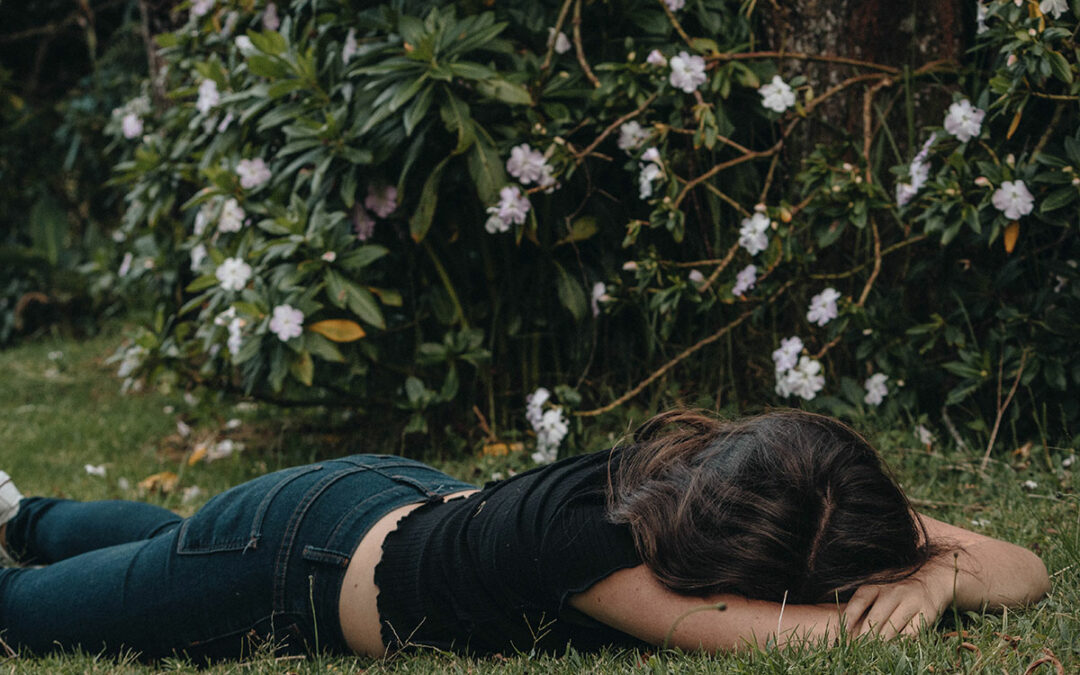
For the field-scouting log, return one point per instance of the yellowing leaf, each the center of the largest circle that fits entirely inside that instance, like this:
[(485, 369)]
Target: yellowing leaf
[(1012, 232), (197, 455), (163, 482), (501, 449), (1015, 123), (338, 330)]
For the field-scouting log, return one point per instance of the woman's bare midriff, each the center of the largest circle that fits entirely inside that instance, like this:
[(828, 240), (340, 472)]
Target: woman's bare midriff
[(357, 606)]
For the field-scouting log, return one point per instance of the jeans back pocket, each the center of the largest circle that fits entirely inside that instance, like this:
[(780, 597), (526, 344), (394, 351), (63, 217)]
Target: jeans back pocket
[(233, 520)]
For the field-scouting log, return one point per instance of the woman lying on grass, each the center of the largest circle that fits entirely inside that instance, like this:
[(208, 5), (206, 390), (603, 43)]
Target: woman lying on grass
[(788, 518)]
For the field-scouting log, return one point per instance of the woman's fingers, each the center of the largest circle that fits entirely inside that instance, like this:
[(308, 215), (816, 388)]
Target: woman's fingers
[(860, 601)]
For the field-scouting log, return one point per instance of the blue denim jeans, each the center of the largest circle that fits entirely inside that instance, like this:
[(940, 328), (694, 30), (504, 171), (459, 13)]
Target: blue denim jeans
[(261, 563)]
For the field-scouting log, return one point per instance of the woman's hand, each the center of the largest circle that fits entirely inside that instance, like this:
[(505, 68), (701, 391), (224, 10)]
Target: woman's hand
[(902, 607)]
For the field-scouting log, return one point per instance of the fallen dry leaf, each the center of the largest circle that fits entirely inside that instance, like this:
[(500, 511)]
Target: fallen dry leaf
[(163, 482)]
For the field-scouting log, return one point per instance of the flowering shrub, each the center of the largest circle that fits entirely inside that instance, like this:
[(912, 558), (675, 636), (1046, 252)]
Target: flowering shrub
[(461, 205)]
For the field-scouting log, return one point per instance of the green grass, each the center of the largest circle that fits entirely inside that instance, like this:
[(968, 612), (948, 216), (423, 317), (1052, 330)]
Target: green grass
[(59, 414)]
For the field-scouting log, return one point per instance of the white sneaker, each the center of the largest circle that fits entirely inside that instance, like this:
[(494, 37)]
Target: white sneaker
[(9, 506)]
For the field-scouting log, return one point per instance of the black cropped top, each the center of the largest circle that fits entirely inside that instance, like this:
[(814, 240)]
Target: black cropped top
[(493, 572)]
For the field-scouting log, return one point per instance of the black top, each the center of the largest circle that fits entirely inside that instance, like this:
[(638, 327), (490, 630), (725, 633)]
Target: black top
[(493, 572)]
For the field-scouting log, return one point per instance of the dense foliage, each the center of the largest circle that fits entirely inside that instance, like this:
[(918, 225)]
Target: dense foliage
[(426, 205)]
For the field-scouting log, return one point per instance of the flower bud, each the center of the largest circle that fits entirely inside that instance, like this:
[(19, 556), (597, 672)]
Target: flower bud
[(760, 208), (1011, 61), (630, 266), (982, 181), (785, 215)]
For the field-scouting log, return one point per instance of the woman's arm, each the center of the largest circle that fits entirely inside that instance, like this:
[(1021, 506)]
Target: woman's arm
[(635, 602), (973, 572)]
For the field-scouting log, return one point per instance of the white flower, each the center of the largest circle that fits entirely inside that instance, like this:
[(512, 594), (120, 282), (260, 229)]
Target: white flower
[(787, 356), (125, 264), (202, 218), (198, 255), (675, 5), (549, 434), (190, 494), (560, 41), (980, 522), (925, 436), (183, 428), (382, 200), (201, 7), (225, 317), (752, 235), (223, 449), (98, 470), (1068, 461), (696, 277), (363, 224), (875, 389), (236, 336), (1013, 199), (599, 293), (245, 45), (823, 307), (649, 173), (1030, 485), (804, 380), (232, 217), (208, 96), (132, 126), (964, 120), (525, 164), (233, 273), (919, 171), (133, 358), (349, 49), (745, 280), (777, 95), (270, 19), (632, 135), (980, 18), (687, 72), (513, 207), (656, 58), (534, 406), (252, 172), (287, 322), (1055, 7), (652, 155)]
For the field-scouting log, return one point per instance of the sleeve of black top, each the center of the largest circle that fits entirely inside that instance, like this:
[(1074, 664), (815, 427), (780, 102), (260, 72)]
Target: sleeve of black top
[(581, 547)]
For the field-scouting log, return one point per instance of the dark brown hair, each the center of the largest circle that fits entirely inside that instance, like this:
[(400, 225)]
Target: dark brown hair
[(783, 504)]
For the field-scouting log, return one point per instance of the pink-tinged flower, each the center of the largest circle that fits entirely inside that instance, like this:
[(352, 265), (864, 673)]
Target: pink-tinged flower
[(525, 164), (287, 322), (919, 170), (631, 136), (209, 96), (350, 48), (656, 58), (363, 223), (875, 389), (232, 217), (804, 380), (513, 207), (745, 280), (696, 277), (252, 172), (1013, 199), (652, 155), (201, 7), (270, 19), (132, 126), (233, 273), (964, 120), (329, 256), (381, 200), (777, 95), (752, 233), (559, 42), (675, 5), (687, 72), (823, 307), (125, 264), (787, 356)]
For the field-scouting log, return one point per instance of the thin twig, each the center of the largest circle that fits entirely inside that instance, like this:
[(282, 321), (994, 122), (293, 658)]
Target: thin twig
[(824, 58), (675, 24), (746, 157), (555, 35), (683, 356), (720, 267), (858, 268), (877, 264), (1002, 407), (580, 156), (580, 48), (730, 200), (947, 421)]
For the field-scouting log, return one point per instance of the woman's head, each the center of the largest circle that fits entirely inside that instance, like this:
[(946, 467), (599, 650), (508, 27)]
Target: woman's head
[(786, 503)]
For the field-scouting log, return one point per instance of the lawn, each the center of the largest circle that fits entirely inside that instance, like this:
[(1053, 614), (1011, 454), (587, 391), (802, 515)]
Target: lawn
[(62, 410)]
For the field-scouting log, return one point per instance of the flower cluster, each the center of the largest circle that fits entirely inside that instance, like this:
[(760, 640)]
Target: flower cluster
[(512, 209), (795, 374), (744, 280), (233, 273), (687, 72), (253, 173), (651, 169), (130, 117), (876, 390), (550, 426), (964, 120), (235, 326), (530, 166), (287, 322), (632, 136), (209, 96), (919, 172), (753, 233)]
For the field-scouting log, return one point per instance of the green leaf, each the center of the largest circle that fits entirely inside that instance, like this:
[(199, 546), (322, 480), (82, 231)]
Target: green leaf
[(505, 91), (1058, 199), (323, 348), (362, 257), (582, 229), (360, 301), (303, 368), (487, 170), (48, 227), (202, 283), (456, 117), (571, 294), (269, 42), (424, 214), (416, 112), (1059, 66)]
